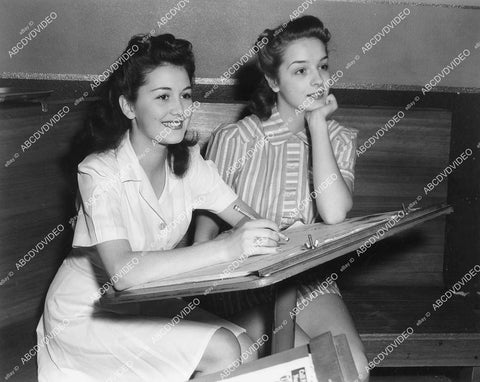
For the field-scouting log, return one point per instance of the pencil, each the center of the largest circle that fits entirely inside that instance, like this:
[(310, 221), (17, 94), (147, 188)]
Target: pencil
[(244, 213), (251, 217)]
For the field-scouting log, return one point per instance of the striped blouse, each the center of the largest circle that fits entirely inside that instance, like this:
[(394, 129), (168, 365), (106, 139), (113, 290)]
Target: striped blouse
[(269, 167)]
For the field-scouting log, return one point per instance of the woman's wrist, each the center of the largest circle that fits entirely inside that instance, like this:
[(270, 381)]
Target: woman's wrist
[(318, 128), (220, 249)]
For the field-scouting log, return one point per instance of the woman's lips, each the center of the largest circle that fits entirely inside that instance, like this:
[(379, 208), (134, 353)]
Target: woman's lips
[(174, 125), (318, 94)]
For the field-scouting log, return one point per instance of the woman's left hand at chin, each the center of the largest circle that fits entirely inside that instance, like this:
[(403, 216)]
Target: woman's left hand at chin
[(320, 114)]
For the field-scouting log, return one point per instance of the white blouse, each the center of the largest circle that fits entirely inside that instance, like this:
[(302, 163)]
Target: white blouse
[(118, 201)]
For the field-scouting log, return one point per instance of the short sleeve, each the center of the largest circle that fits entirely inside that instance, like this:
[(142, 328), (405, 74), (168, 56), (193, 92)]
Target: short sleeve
[(209, 190), (344, 144), (100, 216), (226, 149)]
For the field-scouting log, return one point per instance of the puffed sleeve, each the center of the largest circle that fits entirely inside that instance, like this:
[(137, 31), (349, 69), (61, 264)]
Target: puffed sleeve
[(209, 191), (227, 150), (344, 144), (100, 216)]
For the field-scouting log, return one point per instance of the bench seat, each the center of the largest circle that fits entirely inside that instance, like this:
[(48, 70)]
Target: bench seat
[(450, 336)]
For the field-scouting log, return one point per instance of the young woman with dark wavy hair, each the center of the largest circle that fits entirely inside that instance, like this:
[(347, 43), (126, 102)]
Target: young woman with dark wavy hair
[(290, 162), (138, 187)]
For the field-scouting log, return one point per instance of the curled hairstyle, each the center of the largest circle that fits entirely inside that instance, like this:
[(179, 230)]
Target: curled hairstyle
[(271, 55), (106, 124)]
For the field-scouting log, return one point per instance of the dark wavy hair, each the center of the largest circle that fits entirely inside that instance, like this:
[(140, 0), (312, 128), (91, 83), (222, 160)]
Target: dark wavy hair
[(271, 55), (106, 124)]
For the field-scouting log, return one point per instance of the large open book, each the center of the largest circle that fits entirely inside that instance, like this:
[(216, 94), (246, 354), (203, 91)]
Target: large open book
[(334, 241)]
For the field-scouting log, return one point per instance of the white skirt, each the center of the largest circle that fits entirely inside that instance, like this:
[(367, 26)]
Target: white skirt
[(79, 341)]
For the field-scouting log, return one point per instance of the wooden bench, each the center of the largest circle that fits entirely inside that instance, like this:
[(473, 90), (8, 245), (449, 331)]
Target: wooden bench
[(396, 282)]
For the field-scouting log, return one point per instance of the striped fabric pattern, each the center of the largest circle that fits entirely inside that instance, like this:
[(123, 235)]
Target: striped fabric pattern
[(265, 164), (268, 168)]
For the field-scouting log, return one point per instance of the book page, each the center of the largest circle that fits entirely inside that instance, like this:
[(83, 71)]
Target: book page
[(298, 235)]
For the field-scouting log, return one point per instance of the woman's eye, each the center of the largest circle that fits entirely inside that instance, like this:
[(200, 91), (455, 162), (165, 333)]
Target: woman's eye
[(187, 96), (324, 67), (163, 97), (300, 71)]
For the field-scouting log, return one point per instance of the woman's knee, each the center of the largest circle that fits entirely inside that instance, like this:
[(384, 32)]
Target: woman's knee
[(361, 362), (333, 316), (222, 351), (249, 350)]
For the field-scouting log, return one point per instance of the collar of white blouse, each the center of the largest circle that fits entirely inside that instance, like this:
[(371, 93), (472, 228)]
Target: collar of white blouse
[(130, 170)]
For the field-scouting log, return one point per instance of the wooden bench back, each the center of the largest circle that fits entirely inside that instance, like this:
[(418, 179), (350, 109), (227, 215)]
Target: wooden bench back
[(393, 171)]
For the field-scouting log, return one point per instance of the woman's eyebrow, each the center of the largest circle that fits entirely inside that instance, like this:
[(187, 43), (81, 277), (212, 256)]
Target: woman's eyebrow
[(323, 58), (297, 62), (168, 88), (304, 61), (161, 88)]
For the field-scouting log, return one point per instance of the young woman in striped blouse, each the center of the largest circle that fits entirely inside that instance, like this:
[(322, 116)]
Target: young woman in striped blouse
[(289, 163)]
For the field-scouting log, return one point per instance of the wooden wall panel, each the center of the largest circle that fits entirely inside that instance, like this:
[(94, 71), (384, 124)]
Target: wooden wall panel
[(462, 251), (394, 171), (36, 196)]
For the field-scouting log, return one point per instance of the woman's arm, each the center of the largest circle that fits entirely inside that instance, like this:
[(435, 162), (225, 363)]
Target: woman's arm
[(206, 228), (147, 266), (334, 200), (143, 267)]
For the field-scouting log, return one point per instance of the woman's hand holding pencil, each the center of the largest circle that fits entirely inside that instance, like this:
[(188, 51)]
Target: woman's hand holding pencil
[(255, 237), (251, 217)]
